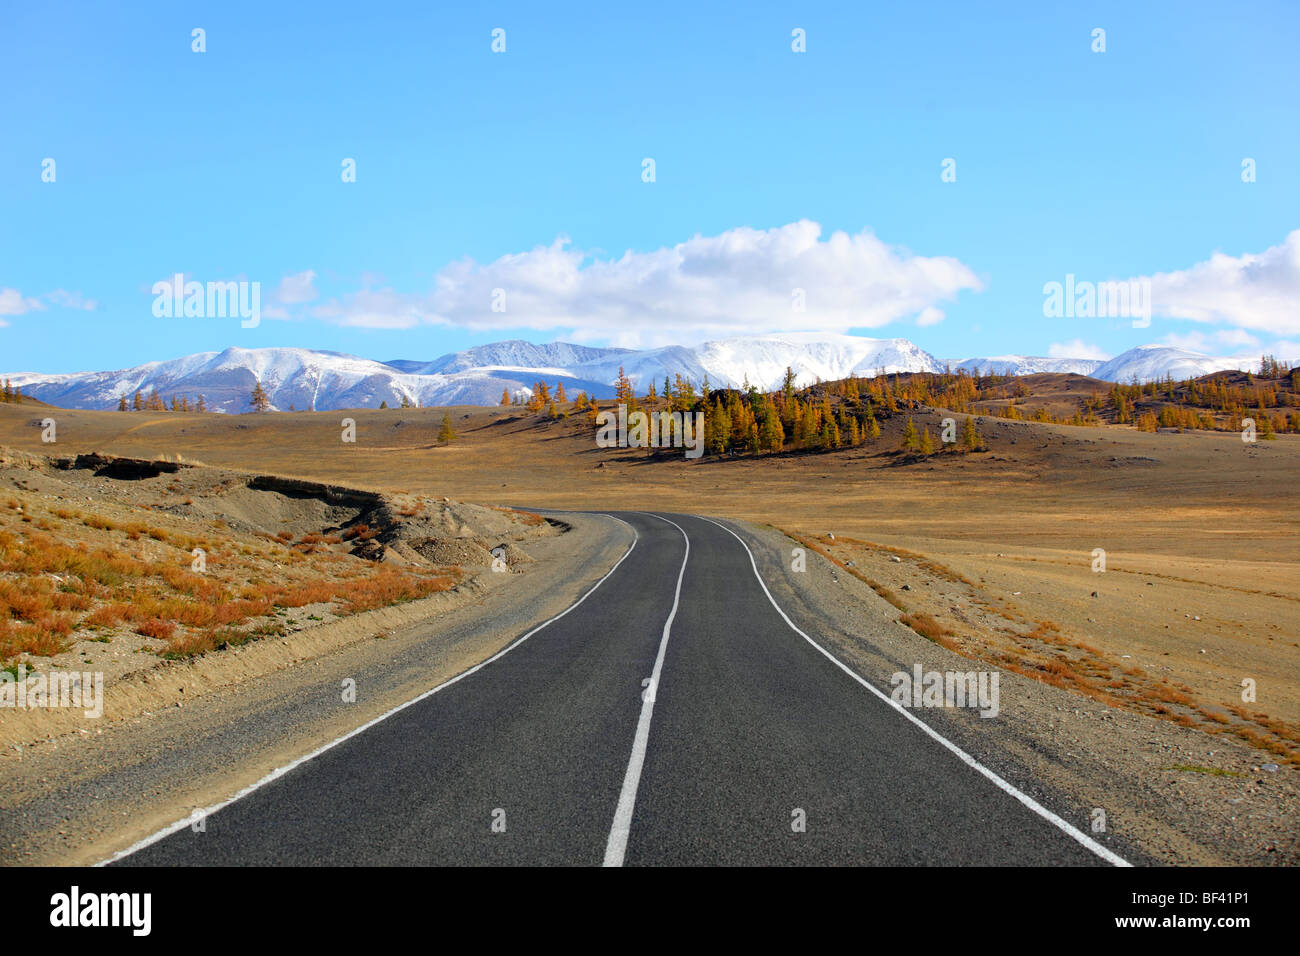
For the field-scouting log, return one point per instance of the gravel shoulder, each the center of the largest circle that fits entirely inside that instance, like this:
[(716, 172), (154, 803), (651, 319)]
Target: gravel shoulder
[(1170, 795)]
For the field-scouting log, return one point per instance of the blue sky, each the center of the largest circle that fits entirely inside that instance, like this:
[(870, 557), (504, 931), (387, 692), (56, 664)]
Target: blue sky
[(226, 165)]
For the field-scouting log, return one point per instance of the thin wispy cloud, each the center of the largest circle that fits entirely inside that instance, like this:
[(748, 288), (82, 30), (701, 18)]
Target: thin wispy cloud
[(71, 300), (1225, 341), (13, 302)]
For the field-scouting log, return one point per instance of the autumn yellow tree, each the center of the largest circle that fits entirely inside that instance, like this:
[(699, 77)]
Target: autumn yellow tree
[(623, 388), (909, 435)]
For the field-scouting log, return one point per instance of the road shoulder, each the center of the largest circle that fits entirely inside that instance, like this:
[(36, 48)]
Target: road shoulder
[(1082, 760)]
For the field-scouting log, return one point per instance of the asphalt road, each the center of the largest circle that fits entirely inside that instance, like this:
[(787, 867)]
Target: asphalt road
[(672, 716)]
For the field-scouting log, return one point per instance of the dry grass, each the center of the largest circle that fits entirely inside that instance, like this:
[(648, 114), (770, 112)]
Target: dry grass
[(82, 578), (156, 628), (880, 589), (925, 625)]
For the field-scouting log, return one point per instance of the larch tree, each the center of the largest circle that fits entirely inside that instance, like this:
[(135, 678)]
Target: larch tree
[(717, 432), (445, 433), (773, 433), (623, 388), (909, 435), (260, 401)]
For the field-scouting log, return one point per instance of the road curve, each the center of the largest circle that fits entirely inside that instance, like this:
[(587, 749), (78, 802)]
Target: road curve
[(674, 715)]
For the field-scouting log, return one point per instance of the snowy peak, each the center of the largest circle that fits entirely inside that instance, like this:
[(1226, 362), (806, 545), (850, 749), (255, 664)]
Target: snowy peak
[(1148, 363), (306, 378)]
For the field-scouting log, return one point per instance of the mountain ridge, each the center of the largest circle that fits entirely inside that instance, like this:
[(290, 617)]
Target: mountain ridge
[(314, 378)]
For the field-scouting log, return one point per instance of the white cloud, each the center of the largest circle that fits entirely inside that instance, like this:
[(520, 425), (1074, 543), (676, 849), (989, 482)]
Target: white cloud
[(1258, 291), (1076, 349), (742, 281), (929, 316), (297, 288), (294, 289), (1285, 351), (13, 303)]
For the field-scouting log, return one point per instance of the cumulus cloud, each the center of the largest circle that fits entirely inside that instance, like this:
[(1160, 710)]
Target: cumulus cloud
[(742, 281), (929, 316), (1076, 349), (1259, 291)]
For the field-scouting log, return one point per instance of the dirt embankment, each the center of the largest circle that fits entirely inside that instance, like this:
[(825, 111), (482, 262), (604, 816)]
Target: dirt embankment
[(150, 575)]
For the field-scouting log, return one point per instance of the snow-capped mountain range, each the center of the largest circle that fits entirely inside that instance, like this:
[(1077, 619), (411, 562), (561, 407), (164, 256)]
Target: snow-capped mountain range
[(305, 379)]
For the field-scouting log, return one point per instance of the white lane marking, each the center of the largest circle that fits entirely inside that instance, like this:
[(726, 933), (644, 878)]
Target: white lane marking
[(281, 771), (1063, 825), (616, 846)]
